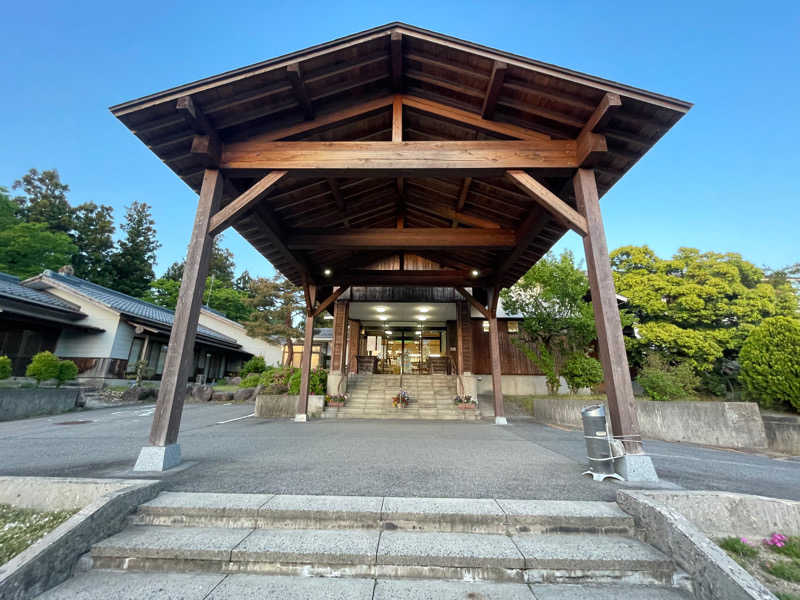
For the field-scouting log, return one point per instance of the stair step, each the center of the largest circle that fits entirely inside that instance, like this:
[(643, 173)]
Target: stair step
[(122, 585)]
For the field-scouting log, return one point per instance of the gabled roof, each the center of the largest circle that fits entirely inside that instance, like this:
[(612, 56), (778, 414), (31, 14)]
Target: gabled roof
[(11, 288), (450, 91), (134, 308)]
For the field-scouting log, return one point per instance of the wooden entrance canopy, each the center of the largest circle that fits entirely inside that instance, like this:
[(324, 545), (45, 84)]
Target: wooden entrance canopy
[(395, 140)]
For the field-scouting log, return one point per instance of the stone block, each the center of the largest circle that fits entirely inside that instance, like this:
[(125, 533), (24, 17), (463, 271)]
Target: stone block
[(171, 543), (309, 546), (158, 458), (435, 549)]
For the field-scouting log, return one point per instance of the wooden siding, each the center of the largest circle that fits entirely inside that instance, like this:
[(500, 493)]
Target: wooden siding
[(341, 313), (465, 337), (513, 360)]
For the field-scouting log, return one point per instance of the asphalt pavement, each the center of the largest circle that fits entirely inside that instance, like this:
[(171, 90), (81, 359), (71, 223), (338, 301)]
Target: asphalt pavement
[(226, 449)]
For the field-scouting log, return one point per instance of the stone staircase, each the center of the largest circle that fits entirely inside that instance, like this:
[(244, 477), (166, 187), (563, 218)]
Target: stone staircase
[(204, 546), (431, 398)]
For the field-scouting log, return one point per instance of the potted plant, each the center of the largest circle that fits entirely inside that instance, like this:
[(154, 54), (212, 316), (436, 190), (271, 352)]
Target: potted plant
[(465, 402), (336, 400), (401, 399)]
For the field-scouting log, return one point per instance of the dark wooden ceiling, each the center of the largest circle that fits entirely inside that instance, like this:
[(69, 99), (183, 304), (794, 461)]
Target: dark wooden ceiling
[(497, 93)]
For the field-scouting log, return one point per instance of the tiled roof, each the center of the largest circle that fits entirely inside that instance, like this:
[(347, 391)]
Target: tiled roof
[(11, 288), (130, 306)]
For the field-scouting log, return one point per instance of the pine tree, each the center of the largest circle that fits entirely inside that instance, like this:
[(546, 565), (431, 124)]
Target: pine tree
[(45, 200), (221, 265), (93, 227), (133, 261), (275, 303)]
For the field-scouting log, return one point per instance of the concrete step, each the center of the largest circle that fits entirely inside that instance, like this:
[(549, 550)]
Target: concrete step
[(529, 558), (250, 511), (120, 585)]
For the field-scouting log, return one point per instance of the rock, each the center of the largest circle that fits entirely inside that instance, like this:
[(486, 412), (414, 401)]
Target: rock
[(202, 393), (138, 393), (234, 380), (244, 394), (222, 396)]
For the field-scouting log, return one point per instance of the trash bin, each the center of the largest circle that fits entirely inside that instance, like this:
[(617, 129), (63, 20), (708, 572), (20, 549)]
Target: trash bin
[(599, 443)]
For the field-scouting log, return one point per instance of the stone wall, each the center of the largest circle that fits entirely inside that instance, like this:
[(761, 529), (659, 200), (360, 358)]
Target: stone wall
[(285, 405), (783, 432), (19, 403), (725, 424)]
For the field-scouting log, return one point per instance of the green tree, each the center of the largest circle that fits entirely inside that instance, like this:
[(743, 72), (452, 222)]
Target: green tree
[(221, 265), (222, 298), (275, 303), (770, 365), (44, 200), (8, 210), (27, 249), (93, 227), (163, 292), (557, 320), (132, 262), (582, 371), (695, 308)]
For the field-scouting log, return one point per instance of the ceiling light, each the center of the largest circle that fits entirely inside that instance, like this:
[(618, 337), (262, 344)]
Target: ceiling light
[(327, 272), (422, 317), (380, 309), (424, 309), (383, 317), (475, 272), (419, 333), (388, 332)]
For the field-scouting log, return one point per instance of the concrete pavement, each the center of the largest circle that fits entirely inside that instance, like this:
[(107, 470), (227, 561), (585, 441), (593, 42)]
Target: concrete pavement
[(226, 450)]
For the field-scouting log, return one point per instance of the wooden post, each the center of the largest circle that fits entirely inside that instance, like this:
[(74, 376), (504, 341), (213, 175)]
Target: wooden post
[(353, 342), (305, 362), (611, 346), (339, 351), (180, 352), (464, 324), (494, 351)]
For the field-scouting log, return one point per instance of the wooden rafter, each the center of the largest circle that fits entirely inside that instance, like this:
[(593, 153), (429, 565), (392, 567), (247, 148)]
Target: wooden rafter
[(453, 215), (473, 301), (206, 145), (493, 89), (402, 277), (602, 113), (339, 199), (329, 300), (295, 75), (271, 231), (396, 42), (530, 229), (244, 202), (550, 202), (402, 239)]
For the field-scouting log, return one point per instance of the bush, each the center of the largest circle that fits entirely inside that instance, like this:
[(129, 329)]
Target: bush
[(250, 381), (293, 382), (5, 367), (582, 371), (662, 381), (770, 369), (254, 365), (46, 365), (317, 383), (67, 371), (43, 366), (276, 389)]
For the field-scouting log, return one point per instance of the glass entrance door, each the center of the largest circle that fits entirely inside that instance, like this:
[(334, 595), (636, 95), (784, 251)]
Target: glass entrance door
[(406, 350)]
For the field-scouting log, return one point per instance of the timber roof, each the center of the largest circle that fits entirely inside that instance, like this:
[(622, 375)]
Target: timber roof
[(451, 90)]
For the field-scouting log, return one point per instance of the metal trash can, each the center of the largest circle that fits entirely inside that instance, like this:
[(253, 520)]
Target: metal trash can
[(600, 449)]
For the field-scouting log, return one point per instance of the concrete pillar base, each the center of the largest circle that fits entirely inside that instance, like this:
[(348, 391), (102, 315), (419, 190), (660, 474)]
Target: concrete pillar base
[(158, 458), (301, 418), (500, 421), (636, 467)]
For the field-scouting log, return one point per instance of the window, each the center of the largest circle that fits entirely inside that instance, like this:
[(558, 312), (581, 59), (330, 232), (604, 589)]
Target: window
[(513, 327), (133, 355), (485, 326)]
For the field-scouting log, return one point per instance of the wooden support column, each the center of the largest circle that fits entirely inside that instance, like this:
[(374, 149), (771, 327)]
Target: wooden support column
[(180, 352), (353, 339), (621, 404), (305, 362), (494, 351), (341, 309), (464, 326)]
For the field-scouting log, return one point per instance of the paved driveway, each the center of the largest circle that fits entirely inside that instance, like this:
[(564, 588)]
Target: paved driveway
[(224, 449)]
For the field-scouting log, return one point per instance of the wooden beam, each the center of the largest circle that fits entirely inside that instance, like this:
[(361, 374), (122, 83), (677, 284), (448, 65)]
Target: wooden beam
[(329, 300), (194, 116), (396, 43), (530, 229), (207, 149), (270, 230), (440, 210), (471, 119), (493, 89), (471, 299), (462, 197), (295, 75), (399, 158), (397, 118), (611, 345), (180, 351), (339, 199), (405, 278), (228, 215), (601, 114), (591, 149), (206, 145), (402, 239), (550, 202)]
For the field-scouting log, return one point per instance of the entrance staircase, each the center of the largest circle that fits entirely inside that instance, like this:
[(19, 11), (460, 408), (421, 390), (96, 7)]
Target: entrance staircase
[(431, 397), (214, 546)]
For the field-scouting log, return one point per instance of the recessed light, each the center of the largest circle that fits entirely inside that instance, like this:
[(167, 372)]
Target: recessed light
[(422, 317), (327, 272), (380, 309), (475, 272), (383, 317), (424, 309), (419, 333), (388, 332)]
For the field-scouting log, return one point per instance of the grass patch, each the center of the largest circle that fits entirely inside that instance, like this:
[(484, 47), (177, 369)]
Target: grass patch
[(787, 596), (791, 547), (737, 548), (21, 527), (225, 387), (788, 570)]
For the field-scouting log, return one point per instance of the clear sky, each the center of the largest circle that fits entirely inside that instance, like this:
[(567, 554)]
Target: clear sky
[(725, 178)]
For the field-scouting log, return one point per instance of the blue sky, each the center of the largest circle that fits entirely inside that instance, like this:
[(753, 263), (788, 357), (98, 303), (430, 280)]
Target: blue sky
[(724, 179)]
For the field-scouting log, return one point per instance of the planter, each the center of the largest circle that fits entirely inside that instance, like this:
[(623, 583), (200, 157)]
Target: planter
[(465, 405), (335, 404)]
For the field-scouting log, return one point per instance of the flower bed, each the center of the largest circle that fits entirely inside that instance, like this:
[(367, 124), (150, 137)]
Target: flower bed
[(775, 561)]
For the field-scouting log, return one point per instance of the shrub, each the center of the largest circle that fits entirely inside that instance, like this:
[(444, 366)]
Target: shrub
[(582, 371), (5, 367), (250, 381), (276, 389), (662, 381), (769, 362), (43, 366), (293, 382), (317, 382), (254, 365), (67, 371)]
